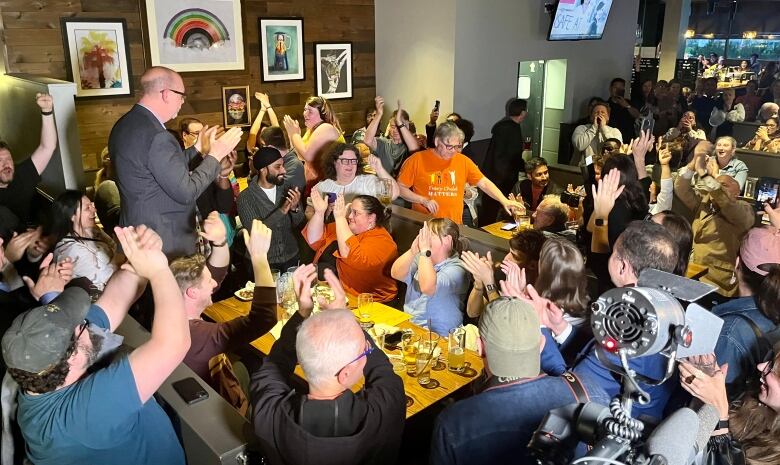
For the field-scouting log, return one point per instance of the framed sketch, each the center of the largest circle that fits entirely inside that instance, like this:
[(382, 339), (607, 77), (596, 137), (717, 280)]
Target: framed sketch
[(97, 56), (281, 48), (204, 35), (235, 106), (333, 63)]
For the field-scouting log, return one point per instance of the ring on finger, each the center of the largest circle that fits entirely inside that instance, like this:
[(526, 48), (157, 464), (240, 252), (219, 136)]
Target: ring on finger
[(689, 379)]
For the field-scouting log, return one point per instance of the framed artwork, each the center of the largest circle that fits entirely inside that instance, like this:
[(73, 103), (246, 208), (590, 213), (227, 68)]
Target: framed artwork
[(204, 35), (333, 62), (97, 56), (281, 47), (235, 106)]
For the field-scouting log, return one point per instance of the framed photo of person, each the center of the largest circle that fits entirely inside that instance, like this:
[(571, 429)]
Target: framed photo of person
[(281, 49), (204, 35), (97, 56), (333, 65), (235, 106)]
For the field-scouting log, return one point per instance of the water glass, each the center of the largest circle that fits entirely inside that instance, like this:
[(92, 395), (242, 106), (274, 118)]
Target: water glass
[(365, 301), (456, 350), (424, 360), (410, 345), (378, 335), (385, 191)]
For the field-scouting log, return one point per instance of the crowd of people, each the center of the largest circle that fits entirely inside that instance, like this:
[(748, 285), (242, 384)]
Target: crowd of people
[(170, 225)]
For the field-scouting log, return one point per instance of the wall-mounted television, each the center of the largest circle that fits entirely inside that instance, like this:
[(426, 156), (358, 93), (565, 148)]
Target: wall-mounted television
[(579, 19)]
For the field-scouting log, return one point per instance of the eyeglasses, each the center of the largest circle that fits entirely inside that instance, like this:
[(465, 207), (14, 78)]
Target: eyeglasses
[(182, 94), (348, 161), (82, 327), (355, 212), (452, 147), (770, 364), (365, 353)]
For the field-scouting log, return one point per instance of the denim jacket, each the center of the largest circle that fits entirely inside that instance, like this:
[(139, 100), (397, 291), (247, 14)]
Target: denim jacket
[(737, 344)]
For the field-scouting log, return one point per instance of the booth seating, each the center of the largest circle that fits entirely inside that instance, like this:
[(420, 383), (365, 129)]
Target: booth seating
[(212, 432)]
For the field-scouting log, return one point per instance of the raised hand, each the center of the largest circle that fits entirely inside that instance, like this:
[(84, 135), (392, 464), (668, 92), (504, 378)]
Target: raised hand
[(214, 229), (712, 167), (339, 207), (340, 300), (424, 237), (700, 161), (145, 262), (773, 214), (375, 163), (264, 101), (291, 126), (259, 240), (550, 314), (399, 118), (303, 277), (664, 156), (19, 244), (710, 389), (148, 238), (220, 147), (434, 117), (607, 192), (203, 141), (52, 278), (318, 201), (379, 105), (481, 268), (291, 200), (641, 145), (228, 163), (44, 101)]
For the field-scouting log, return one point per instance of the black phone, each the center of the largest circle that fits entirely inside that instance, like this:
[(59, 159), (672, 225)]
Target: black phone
[(766, 192), (392, 340), (436, 106), (190, 390)]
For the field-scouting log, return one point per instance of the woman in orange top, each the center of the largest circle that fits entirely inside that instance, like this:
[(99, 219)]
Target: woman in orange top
[(356, 246)]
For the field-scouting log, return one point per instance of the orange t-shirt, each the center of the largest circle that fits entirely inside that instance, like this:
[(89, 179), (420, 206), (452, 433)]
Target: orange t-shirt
[(444, 181), (367, 267)]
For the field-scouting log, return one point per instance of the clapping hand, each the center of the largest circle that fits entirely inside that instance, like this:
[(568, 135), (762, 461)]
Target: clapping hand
[(44, 101), (340, 297), (259, 240), (214, 229), (291, 200), (664, 155), (339, 207), (228, 163), (515, 282), (291, 126), (607, 192), (641, 145), (399, 117), (221, 147), (19, 243), (264, 101), (318, 201), (145, 262), (303, 278), (375, 163), (480, 267), (52, 278), (379, 104), (712, 167), (203, 142), (710, 386)]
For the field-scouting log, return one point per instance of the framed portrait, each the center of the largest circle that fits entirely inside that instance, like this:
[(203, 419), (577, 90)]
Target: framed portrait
[(235, 106), (281, 47), (333, 64), (97, 56), (204, 35)]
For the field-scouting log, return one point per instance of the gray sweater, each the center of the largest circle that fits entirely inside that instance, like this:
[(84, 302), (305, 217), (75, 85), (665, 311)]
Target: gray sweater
[(254, 204)]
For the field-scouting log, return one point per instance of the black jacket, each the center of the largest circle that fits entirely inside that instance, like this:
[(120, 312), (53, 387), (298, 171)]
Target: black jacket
[(376, 414)]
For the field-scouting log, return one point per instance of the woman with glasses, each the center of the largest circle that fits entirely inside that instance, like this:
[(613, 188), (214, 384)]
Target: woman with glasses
[(77, 236), (322, 129), (356, 246), (767, 138), (343, 169)]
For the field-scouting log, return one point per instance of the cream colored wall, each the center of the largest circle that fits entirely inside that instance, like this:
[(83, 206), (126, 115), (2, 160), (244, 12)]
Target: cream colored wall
[(415, 55)]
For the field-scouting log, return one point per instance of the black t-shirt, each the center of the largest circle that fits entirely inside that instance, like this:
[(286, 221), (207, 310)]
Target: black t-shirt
[(19, 194), (621, 119)]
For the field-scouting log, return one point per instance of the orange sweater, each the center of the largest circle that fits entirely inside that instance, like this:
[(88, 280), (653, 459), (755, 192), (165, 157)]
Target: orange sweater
[(367, 267)]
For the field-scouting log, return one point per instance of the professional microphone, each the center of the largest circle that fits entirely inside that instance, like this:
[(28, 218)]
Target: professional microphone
[(675, 437)]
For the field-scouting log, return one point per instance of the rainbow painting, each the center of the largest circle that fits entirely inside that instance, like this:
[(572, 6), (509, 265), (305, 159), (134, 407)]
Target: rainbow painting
[(204, 35), (196, 27)]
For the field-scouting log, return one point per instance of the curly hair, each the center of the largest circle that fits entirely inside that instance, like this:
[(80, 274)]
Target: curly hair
[(188, 270), (328, 162), (47, 380)]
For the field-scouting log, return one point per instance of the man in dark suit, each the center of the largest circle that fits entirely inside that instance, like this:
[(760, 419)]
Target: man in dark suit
[(155, 185), (504, 158)]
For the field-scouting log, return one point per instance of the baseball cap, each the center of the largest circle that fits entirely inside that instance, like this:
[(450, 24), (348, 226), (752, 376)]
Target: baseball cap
[(760, 246), (264, 157), (509, 328), (38, 338)]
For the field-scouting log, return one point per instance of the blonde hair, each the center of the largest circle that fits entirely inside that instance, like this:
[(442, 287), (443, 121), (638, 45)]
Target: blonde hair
[(446, 227)]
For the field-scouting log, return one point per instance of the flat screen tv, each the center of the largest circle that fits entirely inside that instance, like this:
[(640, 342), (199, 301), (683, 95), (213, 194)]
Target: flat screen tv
[(579, 19)]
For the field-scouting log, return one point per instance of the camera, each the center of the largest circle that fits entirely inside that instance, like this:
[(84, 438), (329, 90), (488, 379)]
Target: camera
[(570, 199)]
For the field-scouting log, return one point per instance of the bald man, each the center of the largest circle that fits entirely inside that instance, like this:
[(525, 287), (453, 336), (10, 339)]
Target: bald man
[(721, 219), (155, 185)]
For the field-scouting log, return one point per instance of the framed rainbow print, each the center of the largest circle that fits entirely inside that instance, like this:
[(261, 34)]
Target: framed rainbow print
[(281, 49), (201, 35), (97, 56)]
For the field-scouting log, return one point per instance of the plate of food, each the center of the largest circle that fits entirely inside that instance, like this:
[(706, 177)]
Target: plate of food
[(246, 293)]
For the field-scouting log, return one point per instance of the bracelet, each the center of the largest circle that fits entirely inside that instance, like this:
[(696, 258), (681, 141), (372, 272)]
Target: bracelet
[(47, 113), (221, 244)]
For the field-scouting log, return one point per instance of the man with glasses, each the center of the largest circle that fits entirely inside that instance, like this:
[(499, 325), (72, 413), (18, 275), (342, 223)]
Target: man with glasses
[(78, 402), (434, 180), (152, 171), (330, 424)]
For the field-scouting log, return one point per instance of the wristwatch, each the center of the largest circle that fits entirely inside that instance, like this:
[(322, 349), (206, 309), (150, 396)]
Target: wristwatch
[(399, 126), (600, 222), (427, 253), (490, 288), (722, 424)]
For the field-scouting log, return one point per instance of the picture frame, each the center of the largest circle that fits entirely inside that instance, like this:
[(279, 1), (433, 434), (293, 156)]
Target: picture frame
[(333, 67), (97, 56), (236, 106), (281, 49), (206, 35)]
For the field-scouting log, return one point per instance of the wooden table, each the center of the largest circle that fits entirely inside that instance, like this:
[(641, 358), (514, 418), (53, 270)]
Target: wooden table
[(495, 229), (422, 397)]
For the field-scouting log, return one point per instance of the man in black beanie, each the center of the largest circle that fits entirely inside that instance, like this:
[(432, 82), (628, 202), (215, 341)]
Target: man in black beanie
[(272, 200)]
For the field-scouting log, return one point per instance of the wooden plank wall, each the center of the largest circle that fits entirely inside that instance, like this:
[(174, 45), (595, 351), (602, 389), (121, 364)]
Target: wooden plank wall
[(33, 40)]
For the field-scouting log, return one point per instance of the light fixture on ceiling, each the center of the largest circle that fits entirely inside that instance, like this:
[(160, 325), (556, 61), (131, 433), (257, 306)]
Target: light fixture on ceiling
[(690, 33), (749, 35)]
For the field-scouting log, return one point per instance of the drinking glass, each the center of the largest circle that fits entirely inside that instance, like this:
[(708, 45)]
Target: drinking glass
[(378, 335), (365, 301), (456, 350), (386, 191), (424, 360), (410, 345)]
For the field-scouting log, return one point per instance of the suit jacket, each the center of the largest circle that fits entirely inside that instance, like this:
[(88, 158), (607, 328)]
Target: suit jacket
[(155, 185)]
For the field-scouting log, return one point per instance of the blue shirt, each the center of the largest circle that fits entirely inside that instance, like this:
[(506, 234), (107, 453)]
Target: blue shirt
[(445, 308), (99, 419)]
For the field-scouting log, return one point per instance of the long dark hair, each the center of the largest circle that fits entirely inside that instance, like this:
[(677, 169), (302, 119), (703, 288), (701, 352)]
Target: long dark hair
[(372, 205), (634, 196), (681, 231), (60, 221)]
